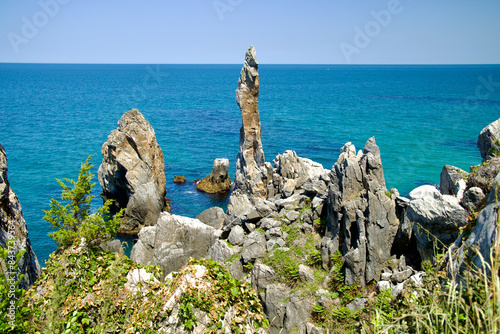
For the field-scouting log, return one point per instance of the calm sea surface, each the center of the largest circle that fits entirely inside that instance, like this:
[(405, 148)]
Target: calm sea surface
[(53, 116)]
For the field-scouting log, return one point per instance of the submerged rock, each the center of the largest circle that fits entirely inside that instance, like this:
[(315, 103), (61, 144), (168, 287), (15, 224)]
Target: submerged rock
[(13, 230), (218, 181), (487, 142), (251, 170), (132, 172)]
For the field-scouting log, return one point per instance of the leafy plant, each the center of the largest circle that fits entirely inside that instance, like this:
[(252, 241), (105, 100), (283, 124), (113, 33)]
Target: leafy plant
[(73, 220)]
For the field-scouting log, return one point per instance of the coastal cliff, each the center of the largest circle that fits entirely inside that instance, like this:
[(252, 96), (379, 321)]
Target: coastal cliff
[(14, 232)]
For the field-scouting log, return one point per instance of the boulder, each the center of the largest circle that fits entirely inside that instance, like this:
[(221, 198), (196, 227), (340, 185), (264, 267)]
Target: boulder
[(236, 235), (306, 274), (251, 170), (213, 216), (254, 247), (220, 251), (440, 215), (488, 139), (218, 181), (132, 172), (172, 241), (14, 231), (450, 178), (472, 198), (361, 217)]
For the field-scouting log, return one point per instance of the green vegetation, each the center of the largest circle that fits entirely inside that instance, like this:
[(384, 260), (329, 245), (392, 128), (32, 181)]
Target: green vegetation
[(10, 294), (73, 220)]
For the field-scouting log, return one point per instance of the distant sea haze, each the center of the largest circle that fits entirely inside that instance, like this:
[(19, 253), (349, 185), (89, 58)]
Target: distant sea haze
[(53, 116)]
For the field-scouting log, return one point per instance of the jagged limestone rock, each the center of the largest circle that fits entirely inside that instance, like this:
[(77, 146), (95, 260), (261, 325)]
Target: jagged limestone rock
[(13, 230), (251, 170), (361, 217), (218, 181), (132, 172)]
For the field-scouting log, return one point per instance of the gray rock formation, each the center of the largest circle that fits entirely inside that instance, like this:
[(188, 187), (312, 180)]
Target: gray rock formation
[(487, 140), (482, 176), (218, 181), (254, 247), (251, 170), (483, 237), (472, 198), (450, 178), (14, 232), (172, 241), (213, 216), (293, 174), (437, 214), (361, 218), (132, 172)]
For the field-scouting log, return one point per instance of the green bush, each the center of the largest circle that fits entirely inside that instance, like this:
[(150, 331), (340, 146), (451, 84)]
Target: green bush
[(73, 220)]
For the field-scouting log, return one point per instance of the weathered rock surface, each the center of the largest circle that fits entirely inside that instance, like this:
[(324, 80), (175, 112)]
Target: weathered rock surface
[(488, 139), (293, 174), (132, 172), (483, 237), (213, 216), (472, 198), (361, 219), (218, 181), (254, 247), (251, 170), (441, 215), (450, 178), (482, 176), (172, 241), (286, 312), (13, 230)]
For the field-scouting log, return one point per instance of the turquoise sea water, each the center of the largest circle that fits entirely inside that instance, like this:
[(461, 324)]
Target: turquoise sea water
[(53, 116)]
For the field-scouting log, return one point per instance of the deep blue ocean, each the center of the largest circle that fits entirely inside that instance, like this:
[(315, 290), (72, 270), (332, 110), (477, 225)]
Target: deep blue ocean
[(53, 116)]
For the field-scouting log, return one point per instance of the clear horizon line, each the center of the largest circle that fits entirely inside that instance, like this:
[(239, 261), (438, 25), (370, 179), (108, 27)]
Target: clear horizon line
[(316, 64)]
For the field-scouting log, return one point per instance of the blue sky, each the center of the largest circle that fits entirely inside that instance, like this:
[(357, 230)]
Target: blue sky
[(220, 31)]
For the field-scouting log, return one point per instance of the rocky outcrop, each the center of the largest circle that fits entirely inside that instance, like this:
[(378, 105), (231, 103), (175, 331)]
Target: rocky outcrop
[(482, 176), (251, 170), (293, 174), (218, 181), (172, 241), (453, 181), (132, 172), (483, 238), (487, 141), (14, 232), (361, 217), (440, 215)]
